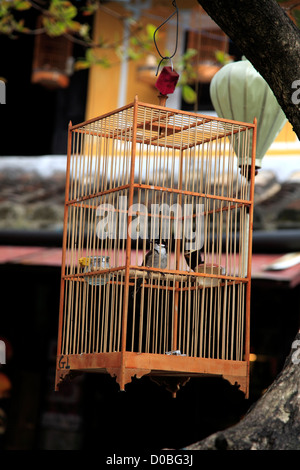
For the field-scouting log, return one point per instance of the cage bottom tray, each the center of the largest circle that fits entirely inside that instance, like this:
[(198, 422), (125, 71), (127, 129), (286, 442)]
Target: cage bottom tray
[(126, 365)]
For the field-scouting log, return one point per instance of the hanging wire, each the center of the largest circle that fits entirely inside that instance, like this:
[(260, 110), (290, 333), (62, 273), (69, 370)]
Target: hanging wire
[(176, 43)]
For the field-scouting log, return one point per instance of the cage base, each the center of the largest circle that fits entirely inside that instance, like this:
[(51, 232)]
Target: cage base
[(160, 367)]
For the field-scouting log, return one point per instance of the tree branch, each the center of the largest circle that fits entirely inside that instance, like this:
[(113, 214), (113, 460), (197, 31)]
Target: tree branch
[(273, 423)]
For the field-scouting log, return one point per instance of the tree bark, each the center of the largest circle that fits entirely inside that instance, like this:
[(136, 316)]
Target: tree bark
[(270, 41), (273, 423)]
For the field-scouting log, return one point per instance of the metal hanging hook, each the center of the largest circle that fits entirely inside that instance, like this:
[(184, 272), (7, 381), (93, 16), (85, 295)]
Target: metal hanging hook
[(176, 43), (164, 58)]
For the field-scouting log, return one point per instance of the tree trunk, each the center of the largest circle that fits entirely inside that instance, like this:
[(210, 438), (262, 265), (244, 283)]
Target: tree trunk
[(270, 41), (273, 423)]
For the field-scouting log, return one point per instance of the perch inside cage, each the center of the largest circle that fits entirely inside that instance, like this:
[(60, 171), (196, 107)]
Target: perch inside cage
[(157, 247)]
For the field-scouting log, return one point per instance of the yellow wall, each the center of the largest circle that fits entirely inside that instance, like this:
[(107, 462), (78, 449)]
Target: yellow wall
[(286, 134), (103, 87), (104, 82), (286, 144)]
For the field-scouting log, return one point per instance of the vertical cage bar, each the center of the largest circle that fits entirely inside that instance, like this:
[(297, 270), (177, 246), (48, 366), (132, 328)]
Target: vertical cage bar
[(64, 245), (177, 260), (251, 209), (129, 219)]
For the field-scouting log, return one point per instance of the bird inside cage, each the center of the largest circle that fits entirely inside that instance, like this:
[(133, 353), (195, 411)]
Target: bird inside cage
[(156, 257), (193, 258), (145, 293)]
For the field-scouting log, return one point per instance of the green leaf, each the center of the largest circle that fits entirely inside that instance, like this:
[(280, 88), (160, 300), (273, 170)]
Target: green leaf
[(222, 57), (150, 29), (4, 9), (89, 9), (90, 60), (132, 54), (22, 5), (189, 54), (74, 26), (134, 41), (70, 12), (188, 94), (54, 28), (62, 10), (104, 62), (82, 65), (90, 56)]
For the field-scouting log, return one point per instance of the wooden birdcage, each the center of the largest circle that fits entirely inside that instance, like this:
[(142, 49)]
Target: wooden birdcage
[(206, 37), (52, 60), (146, 173)]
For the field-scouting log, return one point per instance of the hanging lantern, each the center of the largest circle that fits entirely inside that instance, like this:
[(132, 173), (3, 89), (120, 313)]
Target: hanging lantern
[(52, 61), (240, 93)]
